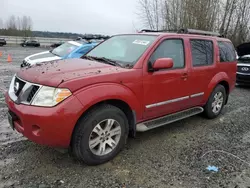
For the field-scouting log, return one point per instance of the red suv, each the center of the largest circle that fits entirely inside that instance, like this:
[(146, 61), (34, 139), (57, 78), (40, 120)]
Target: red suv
[(128, 83)]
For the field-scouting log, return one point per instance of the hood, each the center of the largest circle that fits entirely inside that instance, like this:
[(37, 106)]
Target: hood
[(243, 49), (57, 72), (41, 57)]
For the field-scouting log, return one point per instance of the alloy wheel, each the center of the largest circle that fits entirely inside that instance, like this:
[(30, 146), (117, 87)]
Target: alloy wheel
[(105, 137)]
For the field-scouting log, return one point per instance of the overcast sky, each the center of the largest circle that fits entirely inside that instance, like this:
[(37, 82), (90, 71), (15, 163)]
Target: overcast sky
[(82, 16)]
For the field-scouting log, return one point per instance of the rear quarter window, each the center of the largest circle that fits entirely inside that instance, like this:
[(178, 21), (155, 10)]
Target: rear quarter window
[(202, 52), (227, 52)]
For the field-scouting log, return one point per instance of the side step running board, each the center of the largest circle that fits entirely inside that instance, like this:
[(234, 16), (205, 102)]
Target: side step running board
[(145, 126)]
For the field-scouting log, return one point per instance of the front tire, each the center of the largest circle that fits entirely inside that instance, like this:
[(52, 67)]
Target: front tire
[(215, 102), (100, 135)]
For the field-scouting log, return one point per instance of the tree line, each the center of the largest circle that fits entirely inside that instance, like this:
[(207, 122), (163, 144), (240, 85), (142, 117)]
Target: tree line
[(231, 18), (17, 26), (22, 26)]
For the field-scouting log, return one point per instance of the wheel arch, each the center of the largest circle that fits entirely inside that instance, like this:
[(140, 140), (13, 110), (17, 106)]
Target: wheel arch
[(122, 105), (219, 79), (225, 84)]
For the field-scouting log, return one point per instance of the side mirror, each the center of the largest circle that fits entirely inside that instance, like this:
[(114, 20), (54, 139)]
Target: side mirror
[(163, 63)]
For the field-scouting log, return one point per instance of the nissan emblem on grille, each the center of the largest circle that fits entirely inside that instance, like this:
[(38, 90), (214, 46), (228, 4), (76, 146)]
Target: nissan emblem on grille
[(245, 69), (16, 87)]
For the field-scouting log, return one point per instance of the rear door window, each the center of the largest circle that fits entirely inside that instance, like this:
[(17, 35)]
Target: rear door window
[(227, 52), (202, 52)]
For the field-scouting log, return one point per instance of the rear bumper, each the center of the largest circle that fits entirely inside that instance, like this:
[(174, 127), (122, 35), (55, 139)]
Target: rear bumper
[(46, 126), (243, 79)]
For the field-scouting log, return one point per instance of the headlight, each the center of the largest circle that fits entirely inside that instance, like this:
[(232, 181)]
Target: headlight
[(49, 96)]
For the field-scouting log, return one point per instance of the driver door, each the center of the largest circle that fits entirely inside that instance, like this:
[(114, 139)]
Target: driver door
[(166, 91)]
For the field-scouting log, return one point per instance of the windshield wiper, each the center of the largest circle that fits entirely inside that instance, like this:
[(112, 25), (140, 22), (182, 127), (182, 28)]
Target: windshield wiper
[(88, 58), (105, 60)]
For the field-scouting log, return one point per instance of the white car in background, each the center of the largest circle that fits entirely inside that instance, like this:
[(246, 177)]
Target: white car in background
[(70, 49)]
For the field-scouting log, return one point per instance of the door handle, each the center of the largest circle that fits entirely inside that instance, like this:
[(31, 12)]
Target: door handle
[(184, 76)]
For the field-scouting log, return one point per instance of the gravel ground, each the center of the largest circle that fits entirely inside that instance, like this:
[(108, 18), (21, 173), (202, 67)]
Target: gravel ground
[(172, 156)]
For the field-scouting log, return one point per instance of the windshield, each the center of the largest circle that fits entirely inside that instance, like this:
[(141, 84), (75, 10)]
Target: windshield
[(65, 49), (124, 49)]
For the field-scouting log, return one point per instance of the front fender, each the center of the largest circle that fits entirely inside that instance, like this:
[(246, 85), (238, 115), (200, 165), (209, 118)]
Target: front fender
[(94, 94), (219, 77)]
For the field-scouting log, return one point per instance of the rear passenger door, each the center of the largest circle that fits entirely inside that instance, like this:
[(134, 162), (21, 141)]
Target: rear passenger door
[(203, 63)]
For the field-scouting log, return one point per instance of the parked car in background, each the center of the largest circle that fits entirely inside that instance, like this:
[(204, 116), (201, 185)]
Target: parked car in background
[(33, 43), (128, 83), (70, 49), (2, 42), (54, 45), (243, 70)]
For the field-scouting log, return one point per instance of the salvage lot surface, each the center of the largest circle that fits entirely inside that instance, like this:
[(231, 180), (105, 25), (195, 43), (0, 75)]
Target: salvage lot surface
[(170, 156)]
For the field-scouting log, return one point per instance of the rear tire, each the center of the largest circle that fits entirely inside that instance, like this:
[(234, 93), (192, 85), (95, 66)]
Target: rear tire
[(215, 102), (100, 135)]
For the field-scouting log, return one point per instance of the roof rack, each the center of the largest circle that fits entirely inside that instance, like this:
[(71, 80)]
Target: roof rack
[(199, 32), (187, 31), (149, 30)]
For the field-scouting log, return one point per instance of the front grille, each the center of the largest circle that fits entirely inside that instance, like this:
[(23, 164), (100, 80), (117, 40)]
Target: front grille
[(243, 78), (18, 86), (244, 69), (22, 92), (32, 93)]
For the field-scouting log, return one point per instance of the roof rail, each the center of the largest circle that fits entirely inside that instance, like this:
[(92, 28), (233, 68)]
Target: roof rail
[(199, 32), (149, 30), (186, 31)]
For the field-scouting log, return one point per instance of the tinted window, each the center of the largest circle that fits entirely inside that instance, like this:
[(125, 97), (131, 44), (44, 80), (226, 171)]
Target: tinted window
[(202, 52), (227, 52), (172, 48)]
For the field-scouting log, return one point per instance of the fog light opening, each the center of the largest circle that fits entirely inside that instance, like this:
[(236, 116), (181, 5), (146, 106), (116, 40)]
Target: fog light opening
[(36, 130)]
